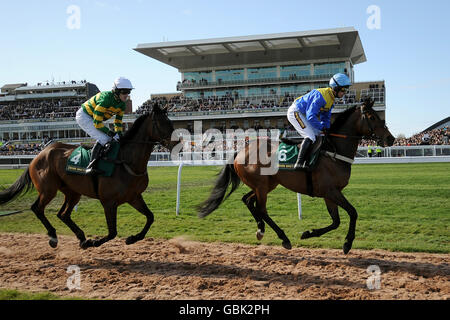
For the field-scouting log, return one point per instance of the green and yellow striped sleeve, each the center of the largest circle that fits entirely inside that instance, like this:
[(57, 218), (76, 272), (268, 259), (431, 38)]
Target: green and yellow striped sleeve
[(118, 127)]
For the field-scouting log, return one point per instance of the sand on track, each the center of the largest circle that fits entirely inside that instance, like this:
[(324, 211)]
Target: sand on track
[(182, 269)]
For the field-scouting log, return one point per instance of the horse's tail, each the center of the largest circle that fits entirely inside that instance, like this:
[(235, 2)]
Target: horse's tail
[(226, 177), (22, 185)]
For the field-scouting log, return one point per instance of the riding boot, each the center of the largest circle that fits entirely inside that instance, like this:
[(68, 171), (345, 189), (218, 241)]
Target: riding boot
[(303, 149), (96, 153)]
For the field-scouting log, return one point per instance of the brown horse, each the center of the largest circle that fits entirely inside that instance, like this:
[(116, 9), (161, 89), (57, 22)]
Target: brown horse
[(327, 179), (48, 175)]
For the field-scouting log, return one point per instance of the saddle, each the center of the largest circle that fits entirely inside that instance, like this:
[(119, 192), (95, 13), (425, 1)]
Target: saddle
[(80, 157), (288, 151)]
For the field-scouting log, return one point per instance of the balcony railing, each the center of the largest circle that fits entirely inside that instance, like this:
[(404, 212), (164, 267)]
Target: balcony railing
[(215, 84)]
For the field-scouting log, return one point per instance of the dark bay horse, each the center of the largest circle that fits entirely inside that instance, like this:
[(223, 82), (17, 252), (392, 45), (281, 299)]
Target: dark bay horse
[(48, 175), (330, 176)]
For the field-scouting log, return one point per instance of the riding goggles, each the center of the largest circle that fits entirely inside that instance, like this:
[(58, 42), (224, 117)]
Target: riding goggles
[(124, 91)]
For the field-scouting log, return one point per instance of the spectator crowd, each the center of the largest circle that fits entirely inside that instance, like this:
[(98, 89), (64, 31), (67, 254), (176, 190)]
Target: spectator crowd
[(47, 109), (66, 108)]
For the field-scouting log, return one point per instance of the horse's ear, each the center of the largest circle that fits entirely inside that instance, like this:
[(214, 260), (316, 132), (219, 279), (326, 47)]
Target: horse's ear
[(155, 107), (368, 102)]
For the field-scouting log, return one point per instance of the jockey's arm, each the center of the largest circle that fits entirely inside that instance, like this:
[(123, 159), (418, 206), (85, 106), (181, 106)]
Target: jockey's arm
[(99, 117), (118, 124), (313, 111), (325, 117)]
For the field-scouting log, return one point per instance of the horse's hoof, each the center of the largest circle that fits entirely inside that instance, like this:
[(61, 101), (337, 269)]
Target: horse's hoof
[(86, 244), (131, 240), (347, 246), (306, 235), (259, 235), (287, 245), (53, 242)]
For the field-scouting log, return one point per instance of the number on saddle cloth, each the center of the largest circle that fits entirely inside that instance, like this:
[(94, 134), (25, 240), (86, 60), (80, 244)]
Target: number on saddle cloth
[(80, 158), (288, 153)]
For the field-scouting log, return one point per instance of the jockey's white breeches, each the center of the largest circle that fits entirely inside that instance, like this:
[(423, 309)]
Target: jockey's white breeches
[(86, 123), (301, 124)]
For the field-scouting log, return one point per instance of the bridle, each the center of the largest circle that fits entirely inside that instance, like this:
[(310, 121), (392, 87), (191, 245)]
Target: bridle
[(155, 127), (372, 136)]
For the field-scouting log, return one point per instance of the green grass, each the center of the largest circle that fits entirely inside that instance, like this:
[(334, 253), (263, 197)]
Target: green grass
[(7, 294), (401, 207)]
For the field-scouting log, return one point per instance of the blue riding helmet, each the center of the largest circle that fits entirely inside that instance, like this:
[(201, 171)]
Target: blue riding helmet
[(340, 80)]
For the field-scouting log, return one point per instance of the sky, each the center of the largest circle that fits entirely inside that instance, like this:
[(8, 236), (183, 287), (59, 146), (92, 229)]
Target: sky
[(407, 43)]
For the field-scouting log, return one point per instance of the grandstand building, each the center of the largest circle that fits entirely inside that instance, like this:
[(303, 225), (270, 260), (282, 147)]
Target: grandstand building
[(30, 113), (227, 83), (250, 81)]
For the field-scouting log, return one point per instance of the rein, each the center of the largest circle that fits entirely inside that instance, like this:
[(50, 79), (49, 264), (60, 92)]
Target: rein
[(150, 141), (344, 136)]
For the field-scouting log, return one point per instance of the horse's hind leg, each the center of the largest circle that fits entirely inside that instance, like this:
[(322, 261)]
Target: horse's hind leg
[(140, 205), (64, 214), (111, 221), (250, 200), (38, 208), (261, 207), (334, 213)]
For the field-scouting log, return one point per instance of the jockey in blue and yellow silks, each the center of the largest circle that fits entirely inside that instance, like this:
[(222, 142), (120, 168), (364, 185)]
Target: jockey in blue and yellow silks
[(311, 113)]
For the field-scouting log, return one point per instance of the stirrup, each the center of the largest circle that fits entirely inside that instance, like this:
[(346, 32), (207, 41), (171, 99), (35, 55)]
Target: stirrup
[(92, 171)]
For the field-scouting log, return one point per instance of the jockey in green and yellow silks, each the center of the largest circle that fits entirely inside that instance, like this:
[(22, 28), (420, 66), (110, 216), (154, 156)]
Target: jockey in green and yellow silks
[(102, 107), (311, 113)]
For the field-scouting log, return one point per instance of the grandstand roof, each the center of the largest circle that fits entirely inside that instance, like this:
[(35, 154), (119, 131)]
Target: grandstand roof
[(13, 86), (438, 125), (257, 49), (67, 85)]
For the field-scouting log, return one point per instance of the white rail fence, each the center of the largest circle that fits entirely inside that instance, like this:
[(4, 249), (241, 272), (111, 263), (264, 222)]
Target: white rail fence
[(411, 154)]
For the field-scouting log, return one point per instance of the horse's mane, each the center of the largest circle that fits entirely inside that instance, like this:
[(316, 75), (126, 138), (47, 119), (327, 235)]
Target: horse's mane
[(341, 119), (131, 133)]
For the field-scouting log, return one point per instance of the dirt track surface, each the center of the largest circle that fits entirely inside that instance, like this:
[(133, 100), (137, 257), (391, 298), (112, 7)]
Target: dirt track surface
[(182, 269)]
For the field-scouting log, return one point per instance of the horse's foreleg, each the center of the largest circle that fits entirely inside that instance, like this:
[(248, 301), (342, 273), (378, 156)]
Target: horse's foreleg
[(140, 205), (338, 198), (250, 200), (334, 213), (111, 221)]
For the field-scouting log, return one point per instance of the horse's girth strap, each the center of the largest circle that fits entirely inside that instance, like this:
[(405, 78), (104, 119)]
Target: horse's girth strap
[(339, 157), (309, 183)]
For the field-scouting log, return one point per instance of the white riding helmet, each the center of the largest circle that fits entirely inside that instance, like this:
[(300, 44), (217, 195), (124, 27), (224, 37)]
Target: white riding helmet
[(122, 83)]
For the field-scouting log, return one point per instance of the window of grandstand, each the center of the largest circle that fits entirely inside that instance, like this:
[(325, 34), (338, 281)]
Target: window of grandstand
[(318, 85), (292, 72), (262, 91), (262, 73), (198, 77), (329, 68), (230, 75), (295, 89)]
